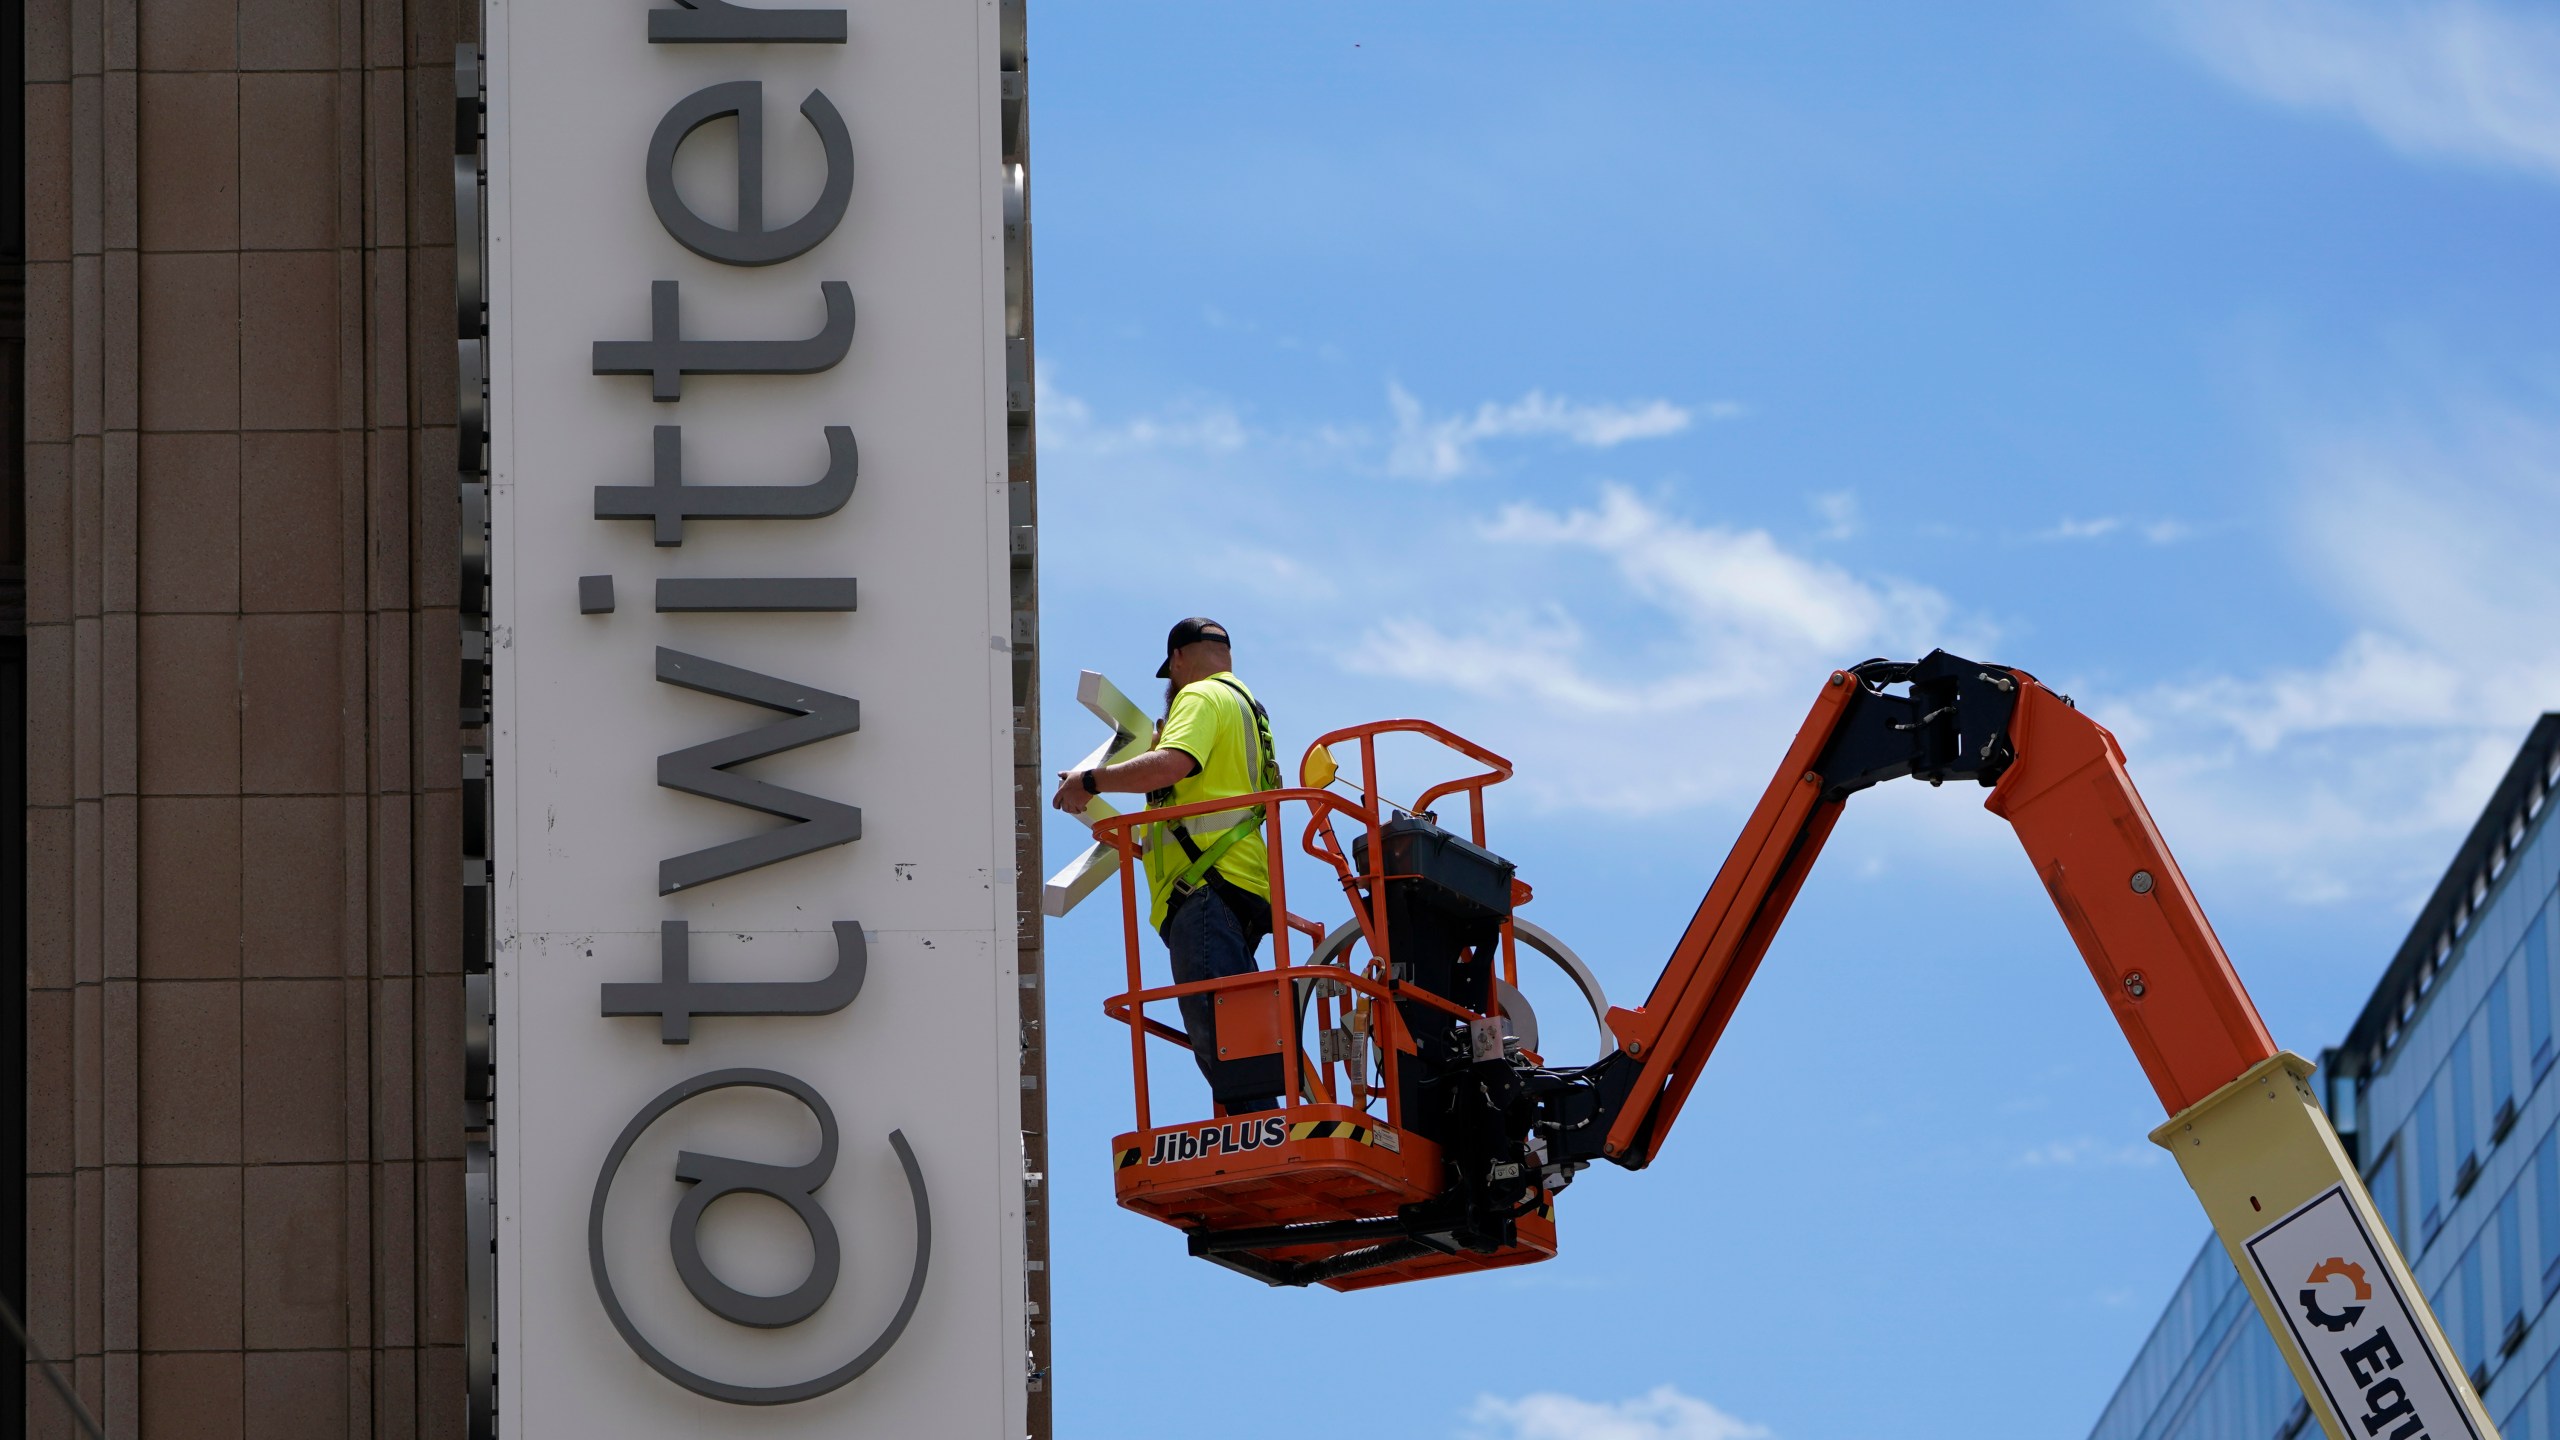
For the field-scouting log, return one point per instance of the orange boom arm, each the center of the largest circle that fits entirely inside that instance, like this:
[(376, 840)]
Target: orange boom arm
[(2247, 1131), (2058, 778)]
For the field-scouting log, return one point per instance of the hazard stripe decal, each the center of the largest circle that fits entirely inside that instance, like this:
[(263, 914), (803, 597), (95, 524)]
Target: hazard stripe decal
[(1127, 1158), (1331, 1130)]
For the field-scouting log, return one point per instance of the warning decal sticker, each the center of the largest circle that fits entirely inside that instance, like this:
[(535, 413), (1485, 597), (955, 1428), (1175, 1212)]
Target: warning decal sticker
[(2354, 1326)]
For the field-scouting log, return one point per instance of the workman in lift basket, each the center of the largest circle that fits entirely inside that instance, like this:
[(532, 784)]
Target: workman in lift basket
[(1208, 876)]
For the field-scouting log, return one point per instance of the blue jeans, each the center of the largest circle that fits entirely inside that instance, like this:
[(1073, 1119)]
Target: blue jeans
[(1209, 940)]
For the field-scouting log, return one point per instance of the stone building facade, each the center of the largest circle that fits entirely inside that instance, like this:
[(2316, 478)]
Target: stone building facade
[(243, 1145)]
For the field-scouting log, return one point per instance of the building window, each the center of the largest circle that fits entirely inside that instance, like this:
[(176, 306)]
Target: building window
[(2466, 1120), (2510, 1268), (2430, 1169), (2383, 1184), (2537, 988), (2472, 1344), (2546, 1209), (2502, 1060)]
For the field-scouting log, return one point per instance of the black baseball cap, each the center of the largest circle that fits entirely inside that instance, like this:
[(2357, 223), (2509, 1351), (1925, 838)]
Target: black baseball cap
[(1198, 627)]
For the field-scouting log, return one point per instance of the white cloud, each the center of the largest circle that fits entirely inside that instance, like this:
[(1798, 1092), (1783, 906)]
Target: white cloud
[(1730, 633), (1067, 424), (2453, 78), (1536, 657), (1429, 447), (2374, 681), (2158, 532), (1663, 1413), (1839, 512), (1739, 586), (2431, 534), (1421, 446), (2084, 1152), (2097, 529), (1276, 572)]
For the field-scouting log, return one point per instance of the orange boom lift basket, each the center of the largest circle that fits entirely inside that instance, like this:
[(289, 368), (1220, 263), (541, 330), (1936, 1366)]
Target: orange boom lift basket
[(1368, 1173)]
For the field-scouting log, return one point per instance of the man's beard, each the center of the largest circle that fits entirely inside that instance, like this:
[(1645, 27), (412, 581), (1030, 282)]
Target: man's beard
[(1171, 689)]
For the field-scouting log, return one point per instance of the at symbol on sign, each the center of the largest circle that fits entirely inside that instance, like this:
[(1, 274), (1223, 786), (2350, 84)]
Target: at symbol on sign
[(733, 1175)]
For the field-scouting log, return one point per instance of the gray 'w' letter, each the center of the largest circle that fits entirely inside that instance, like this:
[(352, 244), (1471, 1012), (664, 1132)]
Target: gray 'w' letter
[(704, 770)]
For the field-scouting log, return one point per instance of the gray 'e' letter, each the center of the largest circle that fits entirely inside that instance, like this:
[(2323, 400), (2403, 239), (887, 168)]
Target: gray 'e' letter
[(750, 243)]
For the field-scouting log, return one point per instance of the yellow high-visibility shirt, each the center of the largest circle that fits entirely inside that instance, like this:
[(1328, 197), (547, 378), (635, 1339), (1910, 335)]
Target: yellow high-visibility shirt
[(1213, 724)]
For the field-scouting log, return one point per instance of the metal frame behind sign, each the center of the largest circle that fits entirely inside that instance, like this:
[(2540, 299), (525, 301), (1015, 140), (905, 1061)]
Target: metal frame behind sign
[(471, 452)]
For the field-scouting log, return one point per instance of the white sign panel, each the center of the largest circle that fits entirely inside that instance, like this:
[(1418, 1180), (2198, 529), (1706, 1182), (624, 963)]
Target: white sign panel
[(2350, 1320), (758, 1153)]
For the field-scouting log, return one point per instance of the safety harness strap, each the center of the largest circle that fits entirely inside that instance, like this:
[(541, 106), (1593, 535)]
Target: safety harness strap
[(1266, 770)]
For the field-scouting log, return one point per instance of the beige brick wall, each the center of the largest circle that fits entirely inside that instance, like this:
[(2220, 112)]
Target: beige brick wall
[(244, 1000)]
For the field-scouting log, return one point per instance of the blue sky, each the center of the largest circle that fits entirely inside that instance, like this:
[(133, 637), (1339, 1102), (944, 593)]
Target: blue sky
[(1594, 378)]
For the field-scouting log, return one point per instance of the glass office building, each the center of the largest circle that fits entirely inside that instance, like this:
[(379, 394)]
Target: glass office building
[(2444, 1092)]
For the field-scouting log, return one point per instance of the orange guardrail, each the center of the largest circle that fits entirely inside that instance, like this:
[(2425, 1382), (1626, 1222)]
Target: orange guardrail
[(1372, 989)]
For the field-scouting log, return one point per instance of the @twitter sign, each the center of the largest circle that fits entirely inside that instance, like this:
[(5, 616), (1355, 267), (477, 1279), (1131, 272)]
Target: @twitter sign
[(757, 1142)]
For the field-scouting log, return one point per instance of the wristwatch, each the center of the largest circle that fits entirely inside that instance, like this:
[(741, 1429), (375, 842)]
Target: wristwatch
[(1090, 786)]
